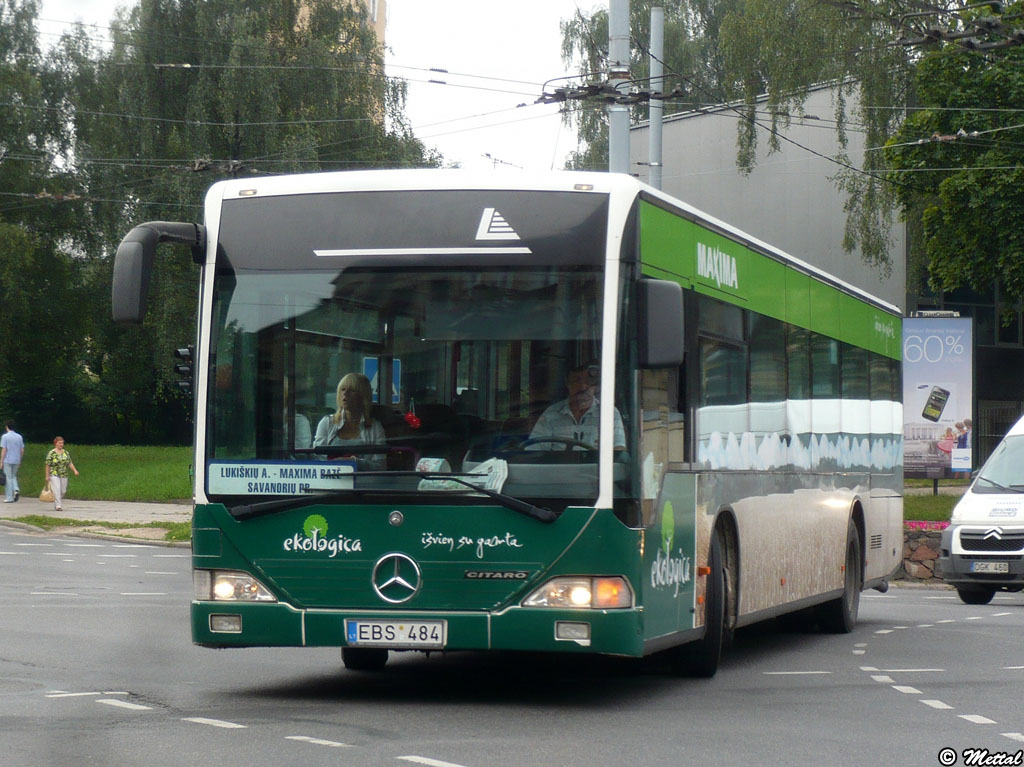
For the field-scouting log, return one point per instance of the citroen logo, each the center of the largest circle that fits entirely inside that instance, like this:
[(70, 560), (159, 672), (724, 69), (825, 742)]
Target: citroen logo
[(994, 532), (396, 578)]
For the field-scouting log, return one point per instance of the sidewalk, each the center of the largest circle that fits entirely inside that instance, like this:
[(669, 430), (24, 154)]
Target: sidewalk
[(128, 515), (127, 512)]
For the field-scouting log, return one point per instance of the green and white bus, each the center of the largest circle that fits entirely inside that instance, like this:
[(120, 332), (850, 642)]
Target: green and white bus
[(742, 458)]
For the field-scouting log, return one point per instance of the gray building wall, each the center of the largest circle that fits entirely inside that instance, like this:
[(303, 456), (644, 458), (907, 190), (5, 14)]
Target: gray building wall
[(787, 201)]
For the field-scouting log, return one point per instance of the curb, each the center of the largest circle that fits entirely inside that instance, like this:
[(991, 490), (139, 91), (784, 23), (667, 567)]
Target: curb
[(25, 527), (127, 539)]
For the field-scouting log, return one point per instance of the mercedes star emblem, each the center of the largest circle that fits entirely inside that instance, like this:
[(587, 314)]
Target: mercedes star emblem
[(396, 578)]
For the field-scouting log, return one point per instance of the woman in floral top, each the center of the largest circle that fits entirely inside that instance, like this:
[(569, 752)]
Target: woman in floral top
[(58, 461)]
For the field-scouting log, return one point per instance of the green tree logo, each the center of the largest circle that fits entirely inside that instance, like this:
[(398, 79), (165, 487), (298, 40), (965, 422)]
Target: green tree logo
[(668, 526), (315, 523)]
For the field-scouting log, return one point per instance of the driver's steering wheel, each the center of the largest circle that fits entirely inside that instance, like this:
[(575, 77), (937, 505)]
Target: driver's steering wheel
[(566, 441)]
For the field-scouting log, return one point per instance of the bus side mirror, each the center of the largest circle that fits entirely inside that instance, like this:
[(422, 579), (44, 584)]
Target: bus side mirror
[(660, 304), (133, 264)]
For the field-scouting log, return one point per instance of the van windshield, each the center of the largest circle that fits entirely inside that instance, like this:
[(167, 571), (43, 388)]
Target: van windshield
[(1004, 470)]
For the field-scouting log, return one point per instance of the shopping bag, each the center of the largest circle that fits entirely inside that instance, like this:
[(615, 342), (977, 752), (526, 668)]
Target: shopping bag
[(46, 496)]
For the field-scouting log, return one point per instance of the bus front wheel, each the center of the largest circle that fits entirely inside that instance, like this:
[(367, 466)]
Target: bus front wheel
[(364, 658), (701, 658)]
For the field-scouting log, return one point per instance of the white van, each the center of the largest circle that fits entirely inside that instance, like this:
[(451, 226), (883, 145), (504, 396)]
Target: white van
[(983, 547)]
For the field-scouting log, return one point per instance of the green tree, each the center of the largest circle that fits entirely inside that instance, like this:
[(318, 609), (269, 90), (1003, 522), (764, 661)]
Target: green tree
[(958, 163), (40, 296), (693, 64)]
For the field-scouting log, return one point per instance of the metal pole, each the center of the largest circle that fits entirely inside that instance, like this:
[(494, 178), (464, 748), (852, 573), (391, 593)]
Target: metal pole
[(657, 106), (618, 76)]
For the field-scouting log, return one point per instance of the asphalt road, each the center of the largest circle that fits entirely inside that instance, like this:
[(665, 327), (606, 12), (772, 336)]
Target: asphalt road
[(96, 667)]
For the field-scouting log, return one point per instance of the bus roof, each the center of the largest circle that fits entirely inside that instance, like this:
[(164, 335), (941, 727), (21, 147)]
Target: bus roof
[(617, 184)]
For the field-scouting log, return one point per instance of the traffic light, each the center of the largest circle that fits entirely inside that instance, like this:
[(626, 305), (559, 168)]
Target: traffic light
[(184, 367)]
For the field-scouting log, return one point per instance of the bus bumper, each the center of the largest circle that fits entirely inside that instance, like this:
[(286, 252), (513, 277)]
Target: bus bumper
[(612, 632)]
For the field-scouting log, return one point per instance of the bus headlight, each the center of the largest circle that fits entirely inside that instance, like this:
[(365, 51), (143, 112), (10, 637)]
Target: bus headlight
[(597, 593), (229, 586)]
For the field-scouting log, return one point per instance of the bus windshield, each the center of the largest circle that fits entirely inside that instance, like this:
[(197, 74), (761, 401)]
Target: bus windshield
[(457, 365)]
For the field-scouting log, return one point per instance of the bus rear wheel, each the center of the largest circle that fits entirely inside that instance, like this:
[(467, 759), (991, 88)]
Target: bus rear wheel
[(364, 658), (840, 615), (701, 658)]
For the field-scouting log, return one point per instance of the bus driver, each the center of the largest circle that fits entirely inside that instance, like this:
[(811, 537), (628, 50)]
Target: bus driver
[(576, 417)]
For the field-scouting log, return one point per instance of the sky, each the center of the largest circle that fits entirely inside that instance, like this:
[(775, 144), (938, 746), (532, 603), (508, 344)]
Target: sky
[(497, 56)]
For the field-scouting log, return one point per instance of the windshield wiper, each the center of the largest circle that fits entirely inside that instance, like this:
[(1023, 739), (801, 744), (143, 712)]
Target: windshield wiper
[(1010, 489), (249, 511)]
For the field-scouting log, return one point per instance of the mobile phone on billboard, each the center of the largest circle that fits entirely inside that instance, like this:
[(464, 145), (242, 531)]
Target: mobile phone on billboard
[(936, 403)]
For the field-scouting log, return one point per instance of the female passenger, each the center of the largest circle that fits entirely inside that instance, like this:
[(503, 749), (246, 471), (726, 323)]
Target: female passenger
[(351, 423)]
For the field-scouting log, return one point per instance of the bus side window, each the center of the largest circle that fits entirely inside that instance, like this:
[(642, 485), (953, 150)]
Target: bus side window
[(663, 433)]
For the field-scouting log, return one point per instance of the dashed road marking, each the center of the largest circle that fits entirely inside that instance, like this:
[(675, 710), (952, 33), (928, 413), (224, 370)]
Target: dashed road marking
[(906, 689), (427, 761), (883, 679), (1014, 736), (910, 670), (937, 704), (64, 694), (125, 704), (214, 722), (977, 719), (317, 741)]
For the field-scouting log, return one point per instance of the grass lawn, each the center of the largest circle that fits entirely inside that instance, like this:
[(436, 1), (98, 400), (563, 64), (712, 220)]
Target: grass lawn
[(115, 472)]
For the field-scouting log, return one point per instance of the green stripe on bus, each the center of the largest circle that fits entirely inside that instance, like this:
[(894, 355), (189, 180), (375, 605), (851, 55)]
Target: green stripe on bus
[(675, 248)]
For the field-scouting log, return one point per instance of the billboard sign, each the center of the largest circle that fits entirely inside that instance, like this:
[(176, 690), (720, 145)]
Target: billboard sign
[(938, 378)]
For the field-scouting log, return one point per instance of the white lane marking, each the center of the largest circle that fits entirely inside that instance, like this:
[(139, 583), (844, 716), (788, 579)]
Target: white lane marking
[(427, 761), (64, 694), (908, 690), (86, 545), (925, 625), (868, 668), (794, 673), (937, 704), (143, 593), (977, 719), (119, 556), (52, 594), (861, 644), (859, 652), (1012, 668), (901, 627), (317, 741), (1000, 615), (946, 620), (214, 722), (910, 670), (880, 678), (124, 704), (884, 631), (974, 618), (158, 572), (13, 552), (33, 544), (173, 556), (1014, 736)]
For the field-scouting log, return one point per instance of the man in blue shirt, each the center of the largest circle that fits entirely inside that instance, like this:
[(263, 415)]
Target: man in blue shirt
[(576, 417), (12, 446)]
